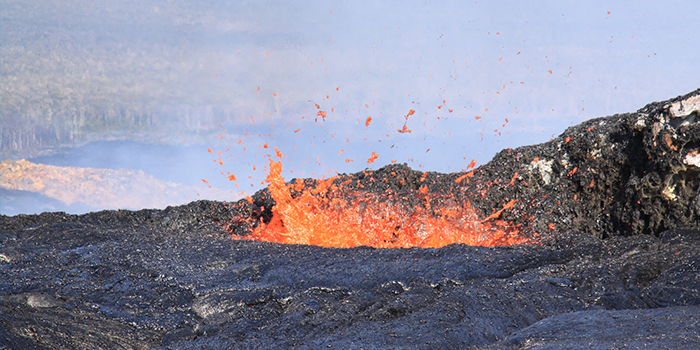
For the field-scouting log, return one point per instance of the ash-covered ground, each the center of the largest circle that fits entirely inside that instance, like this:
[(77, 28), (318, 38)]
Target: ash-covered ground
[(613, 204)]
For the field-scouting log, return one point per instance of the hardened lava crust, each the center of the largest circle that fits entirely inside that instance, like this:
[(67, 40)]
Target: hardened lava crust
[(611, 206)]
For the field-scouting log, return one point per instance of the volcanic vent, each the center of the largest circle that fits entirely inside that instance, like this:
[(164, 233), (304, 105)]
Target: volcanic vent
[(365, 209), (173, 279), (620, 175)]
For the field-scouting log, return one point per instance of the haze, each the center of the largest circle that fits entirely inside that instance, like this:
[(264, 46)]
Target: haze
[(246, 78)]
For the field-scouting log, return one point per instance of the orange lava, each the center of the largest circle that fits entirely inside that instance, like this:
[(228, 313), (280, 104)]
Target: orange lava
[(331, 216)]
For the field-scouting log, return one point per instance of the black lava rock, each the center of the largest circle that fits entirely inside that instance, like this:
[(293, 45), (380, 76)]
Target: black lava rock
[(614, 200)]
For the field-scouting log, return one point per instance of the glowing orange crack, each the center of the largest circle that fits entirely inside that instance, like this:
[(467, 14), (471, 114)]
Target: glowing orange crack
[(330, 216)]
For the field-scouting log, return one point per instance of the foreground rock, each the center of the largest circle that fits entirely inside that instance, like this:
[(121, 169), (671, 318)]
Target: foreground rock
[(78, 285), (662, 328), (617, 264)]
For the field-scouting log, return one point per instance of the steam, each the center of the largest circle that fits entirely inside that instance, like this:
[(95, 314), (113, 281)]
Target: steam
[(208, 75)]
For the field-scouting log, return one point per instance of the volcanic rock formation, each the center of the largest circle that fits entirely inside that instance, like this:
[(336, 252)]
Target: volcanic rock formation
[(622, 175), (611, 208)]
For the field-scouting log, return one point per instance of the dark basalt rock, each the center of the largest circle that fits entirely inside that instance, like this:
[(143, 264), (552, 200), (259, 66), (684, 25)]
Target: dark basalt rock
[(666, 328), (633, 173), (620, 267), (622, 175)]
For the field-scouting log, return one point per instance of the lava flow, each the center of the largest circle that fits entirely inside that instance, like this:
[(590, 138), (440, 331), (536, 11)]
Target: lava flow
[(330, 215)]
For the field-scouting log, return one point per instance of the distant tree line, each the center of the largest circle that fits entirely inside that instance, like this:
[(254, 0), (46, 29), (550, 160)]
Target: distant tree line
[(60, 96), (71, 75)]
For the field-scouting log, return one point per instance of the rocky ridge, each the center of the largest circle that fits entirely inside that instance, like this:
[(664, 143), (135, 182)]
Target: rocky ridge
[(614, 203)]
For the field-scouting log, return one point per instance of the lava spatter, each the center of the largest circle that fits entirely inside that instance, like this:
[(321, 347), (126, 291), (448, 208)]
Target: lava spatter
[(331, 215)]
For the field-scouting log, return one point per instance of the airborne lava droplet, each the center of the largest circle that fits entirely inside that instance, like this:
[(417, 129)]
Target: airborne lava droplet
[(498, 212), (372, 158)]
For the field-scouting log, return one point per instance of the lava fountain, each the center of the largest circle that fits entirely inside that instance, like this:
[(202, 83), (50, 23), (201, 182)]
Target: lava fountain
[(331, 215)]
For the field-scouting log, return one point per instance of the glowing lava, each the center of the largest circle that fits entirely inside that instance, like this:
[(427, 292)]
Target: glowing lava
[(329, 215)]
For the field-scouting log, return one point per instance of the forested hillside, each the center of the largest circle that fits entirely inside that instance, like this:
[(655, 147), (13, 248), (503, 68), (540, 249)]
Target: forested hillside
[(76, 71)]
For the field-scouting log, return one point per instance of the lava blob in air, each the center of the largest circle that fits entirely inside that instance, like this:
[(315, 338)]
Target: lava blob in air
[(335, 214), (372, 158), (405, 128)]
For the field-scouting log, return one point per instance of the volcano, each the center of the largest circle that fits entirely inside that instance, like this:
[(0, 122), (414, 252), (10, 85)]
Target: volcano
[(591, 240)]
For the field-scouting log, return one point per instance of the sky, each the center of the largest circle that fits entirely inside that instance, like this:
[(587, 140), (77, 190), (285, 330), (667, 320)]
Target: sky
[(480, 76)]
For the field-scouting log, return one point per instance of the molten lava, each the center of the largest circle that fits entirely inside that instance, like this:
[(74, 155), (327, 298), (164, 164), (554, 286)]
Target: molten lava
[(330, 215)]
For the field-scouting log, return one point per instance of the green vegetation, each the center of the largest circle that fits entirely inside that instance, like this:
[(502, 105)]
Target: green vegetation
[(72, 71)]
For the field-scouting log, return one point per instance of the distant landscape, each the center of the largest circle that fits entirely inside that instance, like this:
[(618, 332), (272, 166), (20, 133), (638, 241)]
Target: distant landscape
[(79, 72), (330, 84)]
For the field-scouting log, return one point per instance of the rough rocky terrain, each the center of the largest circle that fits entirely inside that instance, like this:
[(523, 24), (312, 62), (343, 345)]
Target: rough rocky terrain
[(614, 204)]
